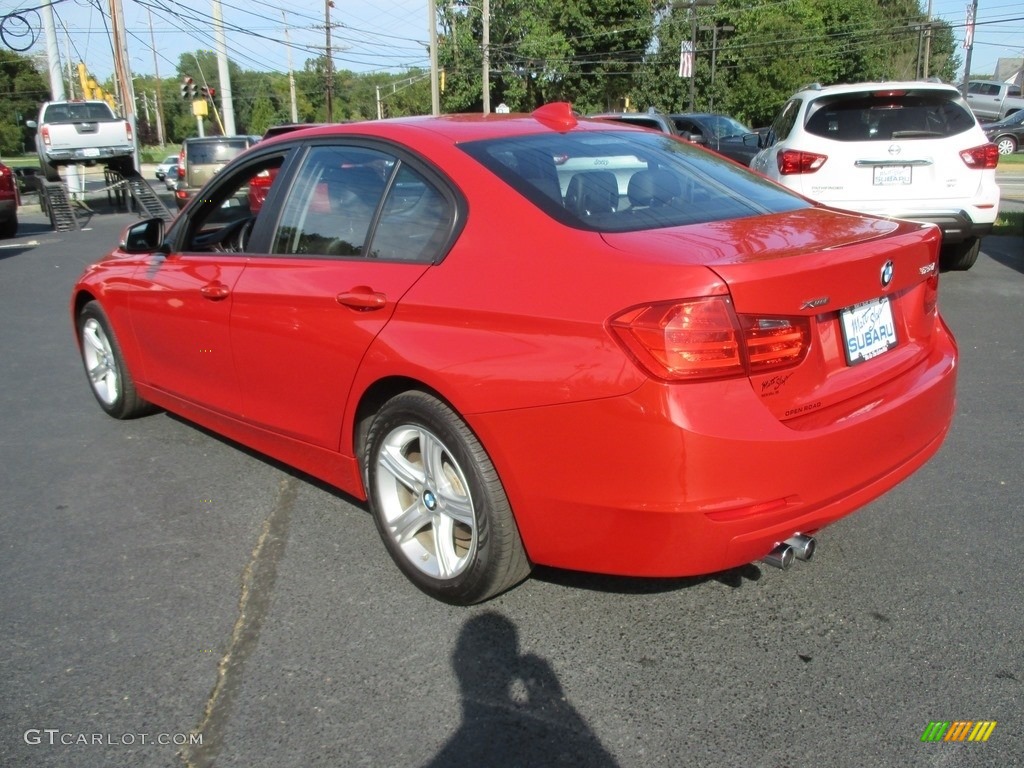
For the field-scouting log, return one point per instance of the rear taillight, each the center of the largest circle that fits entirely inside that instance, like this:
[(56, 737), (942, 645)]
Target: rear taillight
[(45, 133), (705, 339), (792, 161), (181, 163), (128, 130), (775, 342), (931, 294), (984, 157)]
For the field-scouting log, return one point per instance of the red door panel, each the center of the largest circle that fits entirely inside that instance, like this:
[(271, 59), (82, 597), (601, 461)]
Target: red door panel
[(300, 328), (181, 322)]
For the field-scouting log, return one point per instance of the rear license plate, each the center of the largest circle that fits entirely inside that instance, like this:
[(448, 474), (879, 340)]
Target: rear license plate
[(868, 330), (892, 175), (91, 152)]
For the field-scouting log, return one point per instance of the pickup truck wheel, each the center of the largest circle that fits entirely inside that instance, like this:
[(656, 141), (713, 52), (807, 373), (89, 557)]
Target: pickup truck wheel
[(49, 171), (1007, 145)]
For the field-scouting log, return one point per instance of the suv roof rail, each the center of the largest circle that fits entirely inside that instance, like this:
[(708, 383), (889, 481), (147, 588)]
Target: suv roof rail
[(815, 86)]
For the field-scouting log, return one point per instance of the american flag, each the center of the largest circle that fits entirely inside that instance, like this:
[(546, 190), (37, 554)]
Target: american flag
[(969, 29), (686, 59)]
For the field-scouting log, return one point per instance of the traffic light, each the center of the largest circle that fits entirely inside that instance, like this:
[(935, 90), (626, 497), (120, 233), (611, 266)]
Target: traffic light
[(208, 92), (188, 88)]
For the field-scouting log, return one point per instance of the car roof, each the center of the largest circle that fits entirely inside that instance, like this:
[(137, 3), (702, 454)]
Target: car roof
[(882, 85), (551, 118)]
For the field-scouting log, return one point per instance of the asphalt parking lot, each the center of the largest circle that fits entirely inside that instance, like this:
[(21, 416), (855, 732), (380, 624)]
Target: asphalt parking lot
[(161, 587)]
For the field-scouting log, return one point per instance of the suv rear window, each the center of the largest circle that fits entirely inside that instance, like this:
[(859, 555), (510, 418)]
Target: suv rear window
[(888, 116), (618, 181), (219, 151)]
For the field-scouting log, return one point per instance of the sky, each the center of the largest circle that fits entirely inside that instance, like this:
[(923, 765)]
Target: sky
[(385, 35), (367, 35)]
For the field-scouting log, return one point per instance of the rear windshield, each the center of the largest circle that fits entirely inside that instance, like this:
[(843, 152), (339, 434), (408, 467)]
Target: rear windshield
[(883, 117), (619, 181), (215, 151), (77, 113)]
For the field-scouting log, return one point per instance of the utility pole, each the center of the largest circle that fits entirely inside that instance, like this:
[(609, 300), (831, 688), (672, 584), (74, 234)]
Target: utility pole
[(714, 54), (972, 15), (123, 72), (330, 63), (291, 74), (159, 95), (53, 54), (487, 56), (435, 95), (928, 41), (227, 106)]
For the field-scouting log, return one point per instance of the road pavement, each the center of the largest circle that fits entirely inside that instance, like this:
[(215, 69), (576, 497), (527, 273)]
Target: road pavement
[(160, 586)]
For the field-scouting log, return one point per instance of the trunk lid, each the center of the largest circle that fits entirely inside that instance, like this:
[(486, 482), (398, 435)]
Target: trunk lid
[(856, 280)]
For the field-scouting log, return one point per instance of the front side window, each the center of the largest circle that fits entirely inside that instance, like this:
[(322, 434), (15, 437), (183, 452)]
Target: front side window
[(224, 218)]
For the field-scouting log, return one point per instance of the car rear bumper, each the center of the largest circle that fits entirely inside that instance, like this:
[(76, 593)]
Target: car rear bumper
[(956, 226), (87, 154), (682, 480)]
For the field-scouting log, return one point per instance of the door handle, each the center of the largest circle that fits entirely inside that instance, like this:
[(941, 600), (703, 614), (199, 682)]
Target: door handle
[(362, 297), (215, 291)]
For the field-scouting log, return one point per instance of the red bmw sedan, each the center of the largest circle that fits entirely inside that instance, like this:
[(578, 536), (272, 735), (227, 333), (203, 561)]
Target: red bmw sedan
[(536, 339)]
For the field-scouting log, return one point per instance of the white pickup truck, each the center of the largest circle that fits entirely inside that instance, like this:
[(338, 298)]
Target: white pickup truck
[(86, 132), (991, 100)]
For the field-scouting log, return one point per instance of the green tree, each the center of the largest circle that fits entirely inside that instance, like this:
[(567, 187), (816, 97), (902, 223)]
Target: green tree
[(22, 88)]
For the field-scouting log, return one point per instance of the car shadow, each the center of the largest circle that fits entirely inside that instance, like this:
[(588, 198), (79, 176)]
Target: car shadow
[(631, 585), (1008, 250)]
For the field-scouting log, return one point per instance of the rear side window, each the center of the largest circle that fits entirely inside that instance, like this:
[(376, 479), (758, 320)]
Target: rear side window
[(618, 181), (887, 116)]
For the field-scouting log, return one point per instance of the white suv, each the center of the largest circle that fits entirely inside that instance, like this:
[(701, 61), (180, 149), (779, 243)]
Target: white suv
[(910, 150)]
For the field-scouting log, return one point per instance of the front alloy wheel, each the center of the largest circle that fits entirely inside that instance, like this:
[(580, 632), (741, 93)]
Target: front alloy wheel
[(438, 503), (104, 365)]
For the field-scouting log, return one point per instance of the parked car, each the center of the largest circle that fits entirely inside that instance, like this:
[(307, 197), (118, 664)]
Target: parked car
[(698, 374), (992, 100), (173, 176), (200, 158), (723, 134), (1008, 134), (650, 119), (166, 165), (9, 201), (906, 149)]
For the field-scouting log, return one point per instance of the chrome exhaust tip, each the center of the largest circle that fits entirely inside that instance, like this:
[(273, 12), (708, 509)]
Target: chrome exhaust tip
[(780, 557), (803, 546)]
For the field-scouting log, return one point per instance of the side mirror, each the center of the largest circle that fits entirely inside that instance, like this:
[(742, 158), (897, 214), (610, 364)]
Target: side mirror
[(31, 124), (145, 237), (752, 140)]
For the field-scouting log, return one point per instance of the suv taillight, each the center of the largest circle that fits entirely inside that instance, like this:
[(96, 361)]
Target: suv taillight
[(984, 157), (792, 161), (704, 338)]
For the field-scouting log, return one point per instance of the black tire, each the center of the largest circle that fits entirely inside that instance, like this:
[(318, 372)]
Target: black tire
[(9, 228), (445, 520), (109, 378), (50, 172), (959, 257)]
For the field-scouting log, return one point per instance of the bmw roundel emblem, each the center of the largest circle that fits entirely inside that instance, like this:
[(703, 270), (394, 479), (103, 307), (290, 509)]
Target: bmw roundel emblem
[(887, 274)]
